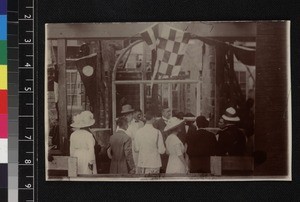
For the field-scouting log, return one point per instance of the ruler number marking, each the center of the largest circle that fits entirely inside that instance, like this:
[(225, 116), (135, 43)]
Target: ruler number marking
[(27, 65), (27, 16), (27, 88), (27, 40), (27, 161), (28, 186), (28, 137)]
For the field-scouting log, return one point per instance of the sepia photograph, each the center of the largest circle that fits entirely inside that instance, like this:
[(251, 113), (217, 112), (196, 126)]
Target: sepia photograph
[(168, 101)]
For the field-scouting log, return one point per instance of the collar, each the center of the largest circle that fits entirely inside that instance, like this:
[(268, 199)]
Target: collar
[(166, 120), (121, 129), (135, 121)]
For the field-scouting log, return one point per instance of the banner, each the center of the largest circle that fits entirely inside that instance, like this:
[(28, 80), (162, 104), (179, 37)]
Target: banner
[(170, 45), (86, 67)]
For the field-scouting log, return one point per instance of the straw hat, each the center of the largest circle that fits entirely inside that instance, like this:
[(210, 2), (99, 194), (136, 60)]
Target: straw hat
[(230, 115), (189, 117), (173, 123), (127, 109), (84, 119)]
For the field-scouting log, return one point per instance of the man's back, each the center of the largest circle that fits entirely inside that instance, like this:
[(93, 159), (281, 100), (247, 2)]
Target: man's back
[(232, 141), (149, 144), (201, 143), (117, 141)]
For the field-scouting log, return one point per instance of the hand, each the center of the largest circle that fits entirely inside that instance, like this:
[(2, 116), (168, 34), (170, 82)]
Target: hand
[(90, 166), (132, 171), (187, 170)]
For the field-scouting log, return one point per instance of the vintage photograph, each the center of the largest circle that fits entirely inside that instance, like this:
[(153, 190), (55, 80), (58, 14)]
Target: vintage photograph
[(170, 101)]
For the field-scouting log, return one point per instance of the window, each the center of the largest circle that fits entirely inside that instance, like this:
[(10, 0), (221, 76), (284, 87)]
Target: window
[(74, 88), (241, 77)]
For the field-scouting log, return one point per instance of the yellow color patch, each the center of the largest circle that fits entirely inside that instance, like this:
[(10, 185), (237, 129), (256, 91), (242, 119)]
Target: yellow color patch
[(3, 77)]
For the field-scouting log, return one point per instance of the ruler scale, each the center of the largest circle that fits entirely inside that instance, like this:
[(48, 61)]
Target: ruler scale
[(26, 100)]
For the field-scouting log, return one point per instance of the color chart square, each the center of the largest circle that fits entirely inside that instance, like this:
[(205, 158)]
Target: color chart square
[(3, 7), (3, 125), (3, 175), (3, 77), (3, 25), (3, 51), (3, 151), (3, 101)]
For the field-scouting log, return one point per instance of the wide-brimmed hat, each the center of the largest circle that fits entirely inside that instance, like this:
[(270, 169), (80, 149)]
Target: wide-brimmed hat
[(189, 117), (127, 109), (82, 120), (230, 115), (173, 123)]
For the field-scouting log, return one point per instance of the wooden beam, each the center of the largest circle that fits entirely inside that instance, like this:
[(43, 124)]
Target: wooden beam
[(170, 95), (155, 81), (62, 96), (142, 97), (125, 30), (198, 103), (271, 98)]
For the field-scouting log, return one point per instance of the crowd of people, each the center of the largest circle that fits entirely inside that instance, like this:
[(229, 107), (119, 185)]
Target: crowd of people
[(150, 145)]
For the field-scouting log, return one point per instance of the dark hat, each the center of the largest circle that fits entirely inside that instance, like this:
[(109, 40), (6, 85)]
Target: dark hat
[(202, 122)]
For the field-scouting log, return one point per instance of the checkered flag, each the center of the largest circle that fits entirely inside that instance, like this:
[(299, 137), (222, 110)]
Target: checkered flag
[(150, 36), (171, 47)]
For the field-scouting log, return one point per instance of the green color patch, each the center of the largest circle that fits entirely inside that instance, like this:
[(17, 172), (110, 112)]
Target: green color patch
[(3, 52)]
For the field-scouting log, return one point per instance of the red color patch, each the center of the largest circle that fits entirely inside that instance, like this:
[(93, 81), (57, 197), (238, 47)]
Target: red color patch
[(3, 102)]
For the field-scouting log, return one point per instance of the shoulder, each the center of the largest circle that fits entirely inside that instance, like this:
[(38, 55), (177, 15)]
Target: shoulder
[(124, 136), (158, 121), (140, 130), (81, 132), (173, 139)]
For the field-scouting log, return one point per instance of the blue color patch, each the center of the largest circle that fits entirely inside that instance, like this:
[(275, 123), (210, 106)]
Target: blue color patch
[(3, 27), (3, 7)]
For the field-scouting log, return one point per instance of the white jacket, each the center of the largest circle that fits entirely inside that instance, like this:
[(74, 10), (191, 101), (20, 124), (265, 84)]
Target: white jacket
[(149, 144)]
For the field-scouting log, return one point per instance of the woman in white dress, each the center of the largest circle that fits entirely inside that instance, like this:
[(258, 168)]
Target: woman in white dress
[(82, 143), (175, 148)]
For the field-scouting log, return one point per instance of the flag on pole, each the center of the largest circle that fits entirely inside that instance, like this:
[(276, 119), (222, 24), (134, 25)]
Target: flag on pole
[(150, 36), (171, 47), (86, 67)]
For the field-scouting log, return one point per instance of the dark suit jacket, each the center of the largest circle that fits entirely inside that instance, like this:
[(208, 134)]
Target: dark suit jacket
[(160, 125), (122, 159), (232, 141), (200, 146), (192, 130)]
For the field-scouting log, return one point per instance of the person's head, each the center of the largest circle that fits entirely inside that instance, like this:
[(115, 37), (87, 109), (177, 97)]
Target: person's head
[(249, 103), (230, 116), (190, 118), (180, 115), (221, 123), (149, 116), (166, 113), (137, 114), (202, 122), (83, 120), (122, 123), (174, 126), (127, 112)]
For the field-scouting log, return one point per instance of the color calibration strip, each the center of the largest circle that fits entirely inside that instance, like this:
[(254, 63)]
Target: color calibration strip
[(3, 103), (13, 97)]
